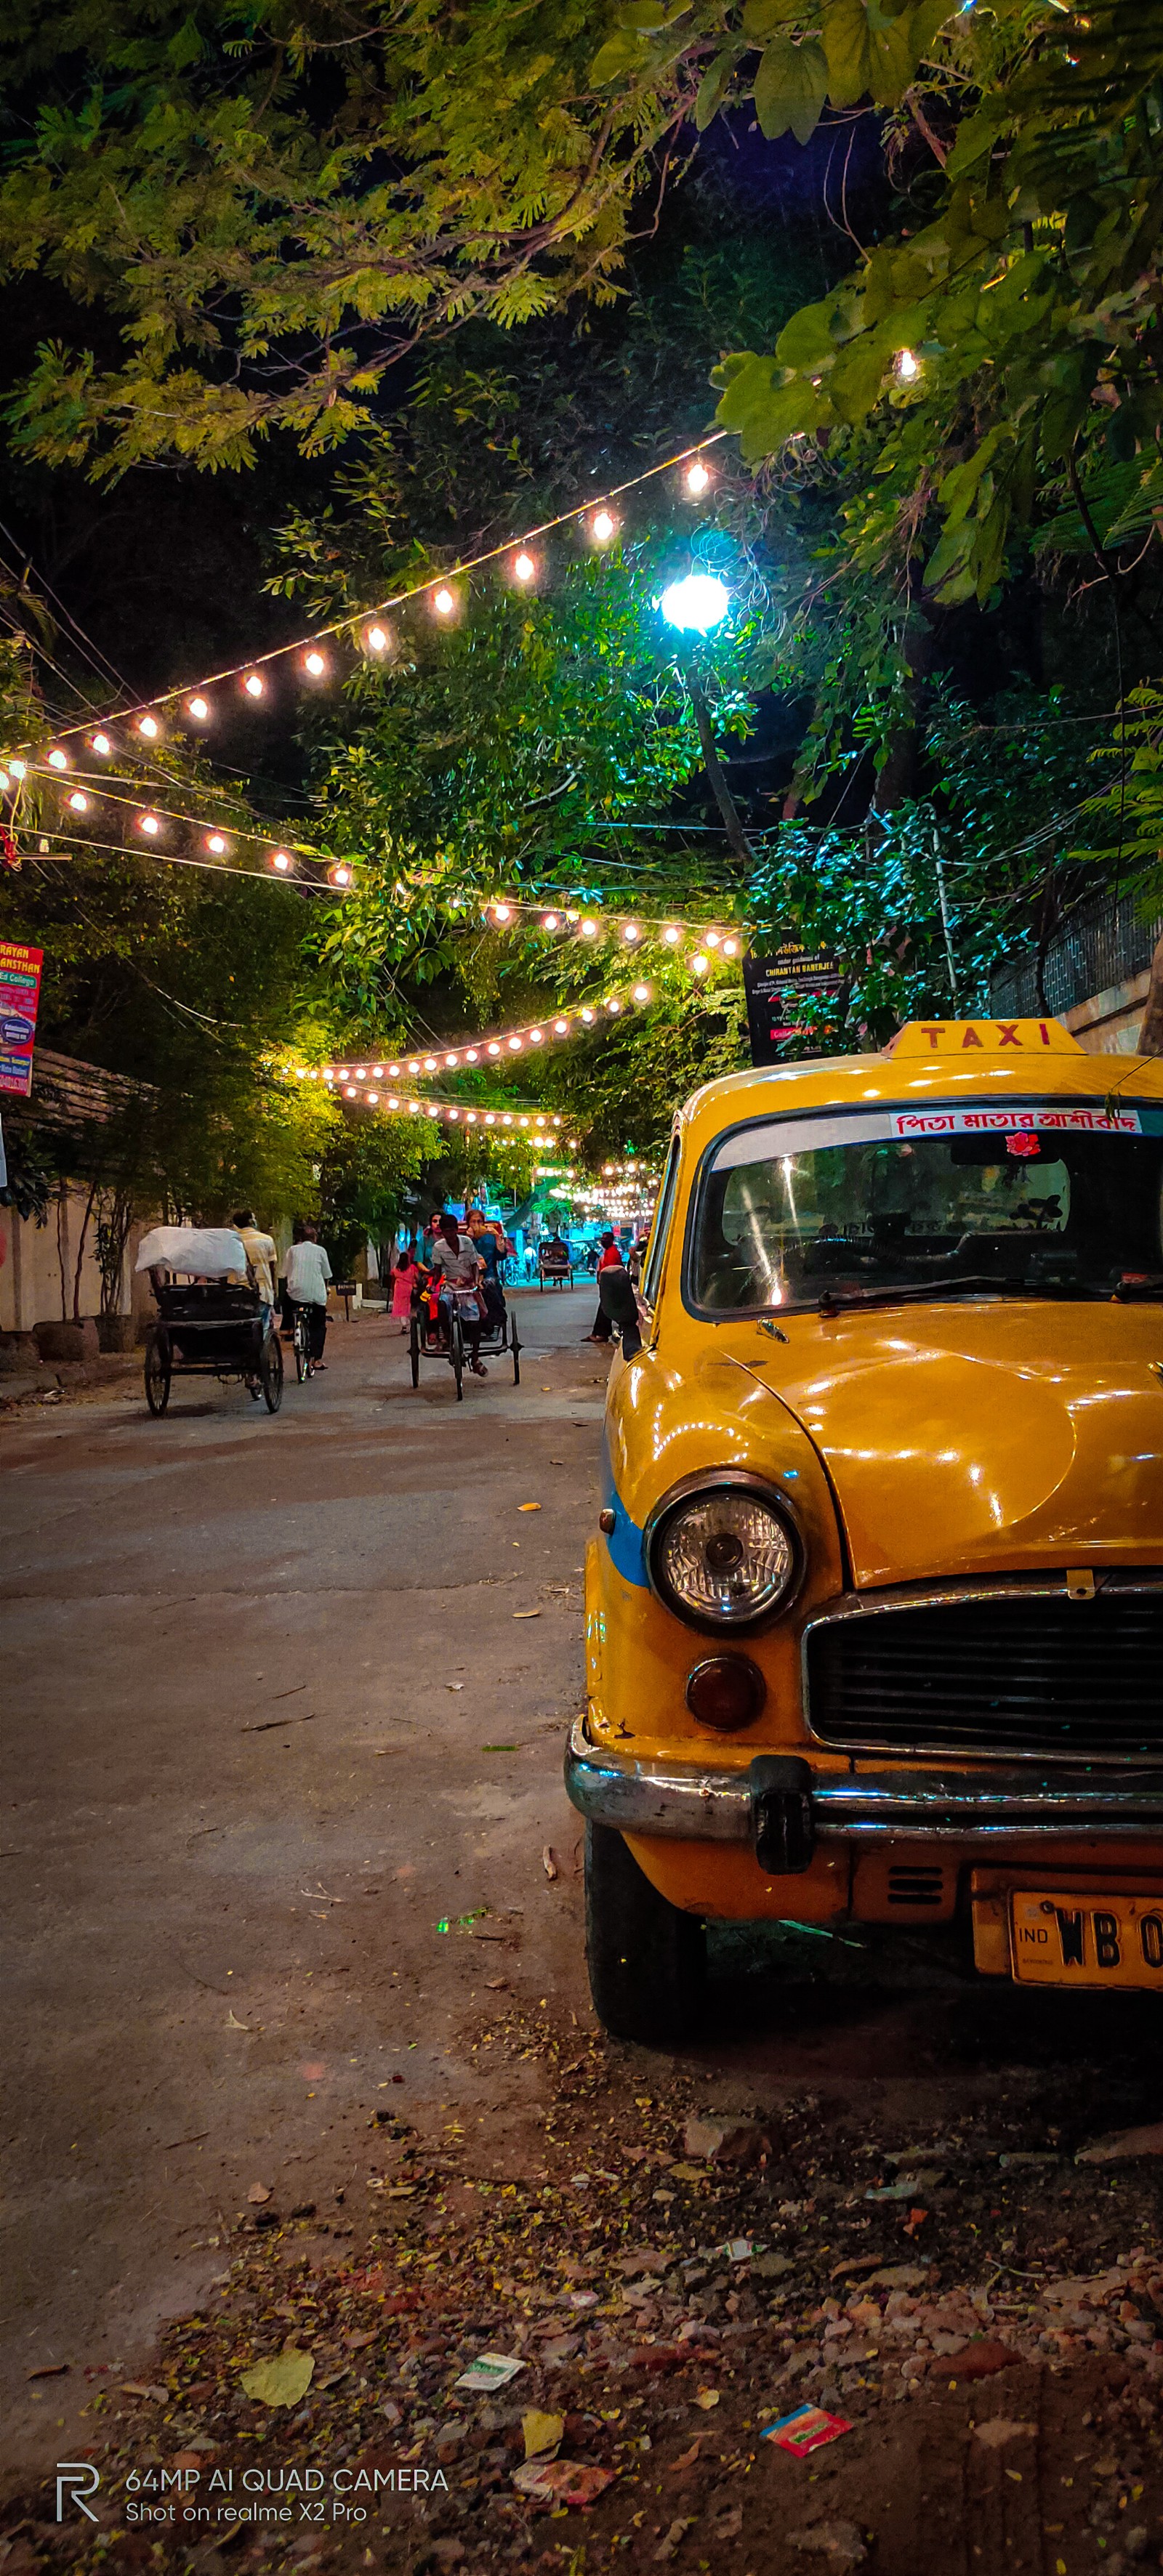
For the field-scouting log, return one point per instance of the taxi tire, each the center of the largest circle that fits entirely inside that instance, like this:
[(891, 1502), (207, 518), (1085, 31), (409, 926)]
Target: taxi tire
[(647, 1959)]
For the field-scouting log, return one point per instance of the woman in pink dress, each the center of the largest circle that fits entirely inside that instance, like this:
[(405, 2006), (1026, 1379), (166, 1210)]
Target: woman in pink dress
[(404, 1279)]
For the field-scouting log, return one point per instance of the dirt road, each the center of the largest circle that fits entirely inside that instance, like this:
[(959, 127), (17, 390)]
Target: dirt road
[(299, 2055)]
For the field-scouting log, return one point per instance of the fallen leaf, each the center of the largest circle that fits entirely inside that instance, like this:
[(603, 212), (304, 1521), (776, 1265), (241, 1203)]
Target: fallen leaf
[(981, 2358), (549, 1862), (1002, 2428), (281, 2382), (676, 2534), (729, 2524), (526, 1614), (542, 2433), (139, 2388), (48, 2370), (258, 2191), (686, 2459), (497, 1985), (706, 2398), (528, 1507), (232, 2024), (454, 1686)]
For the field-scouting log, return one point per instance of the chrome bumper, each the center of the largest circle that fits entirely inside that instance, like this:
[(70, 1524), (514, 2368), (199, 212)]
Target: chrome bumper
[(690, 1805)]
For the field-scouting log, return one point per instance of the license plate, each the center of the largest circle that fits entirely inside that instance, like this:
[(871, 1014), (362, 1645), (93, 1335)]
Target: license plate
[(1087, 1940)]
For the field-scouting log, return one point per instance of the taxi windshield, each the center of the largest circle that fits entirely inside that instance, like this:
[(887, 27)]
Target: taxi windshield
[(1056, 1197)]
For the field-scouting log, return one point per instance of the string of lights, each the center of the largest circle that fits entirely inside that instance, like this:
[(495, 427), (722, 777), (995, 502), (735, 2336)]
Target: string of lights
[(541, 1125), (192, 705), (494, 1046), (632, 930), (90, 794)]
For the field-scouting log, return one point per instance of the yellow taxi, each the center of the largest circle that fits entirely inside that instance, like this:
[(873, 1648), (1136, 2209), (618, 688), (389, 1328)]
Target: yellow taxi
[(875, 1611)]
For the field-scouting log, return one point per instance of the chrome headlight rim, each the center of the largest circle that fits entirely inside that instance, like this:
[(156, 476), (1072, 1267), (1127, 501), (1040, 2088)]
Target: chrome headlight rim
[(704, 1485)]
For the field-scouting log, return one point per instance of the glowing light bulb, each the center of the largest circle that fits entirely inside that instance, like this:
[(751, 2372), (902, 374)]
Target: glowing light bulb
[(470, 1117), (642, 992), (534, 1037), (315, 664), (560, 1027), (514, 1046), (524, 568), (58, 760), (341, 876), (696, 604), (697, 477), (372, 1097), (711, 938), (907, 366), (588, 1018), (149, 726), (444, 601), (429, 1064), (502, 912), (378, 1071), (19, 768), (671, 936), (101, 745), (522, 1122), (376, 639), (700, 964), (452, 1113), (199, 708), (630, 933), (393, 1073), (490, 1118), (452, 1059), (414, 1108), (149, 824), (5, 782), (613, 1007), (393, 1102), (414, 1065), (253, 685), (602, 527), (215, 844), (730, 948), (471, 1056), (550, 921), (79, 803), (589, 930), (281, 860), (349, 1091)]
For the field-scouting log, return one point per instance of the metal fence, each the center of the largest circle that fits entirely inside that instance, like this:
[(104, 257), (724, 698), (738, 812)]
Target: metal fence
[(1103, 944)]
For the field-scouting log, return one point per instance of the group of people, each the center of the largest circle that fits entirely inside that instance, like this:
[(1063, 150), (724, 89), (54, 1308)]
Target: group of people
[(307, 1277), (465, 1264)]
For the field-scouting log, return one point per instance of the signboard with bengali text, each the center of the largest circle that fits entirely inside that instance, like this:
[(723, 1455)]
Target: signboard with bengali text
[(772, 983)]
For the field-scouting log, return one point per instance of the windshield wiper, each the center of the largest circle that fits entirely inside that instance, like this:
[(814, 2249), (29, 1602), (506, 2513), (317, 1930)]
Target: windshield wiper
[(911, 1291)]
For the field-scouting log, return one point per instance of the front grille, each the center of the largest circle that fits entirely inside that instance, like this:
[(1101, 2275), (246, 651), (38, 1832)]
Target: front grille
[(1039, 1674)]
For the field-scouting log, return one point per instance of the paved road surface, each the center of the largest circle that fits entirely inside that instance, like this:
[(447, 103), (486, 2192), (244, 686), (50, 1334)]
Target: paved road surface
[(252, 1669)]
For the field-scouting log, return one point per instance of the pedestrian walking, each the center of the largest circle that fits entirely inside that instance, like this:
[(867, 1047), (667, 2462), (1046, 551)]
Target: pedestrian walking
[(404, 1279), (609, 1258), (308, 1278)]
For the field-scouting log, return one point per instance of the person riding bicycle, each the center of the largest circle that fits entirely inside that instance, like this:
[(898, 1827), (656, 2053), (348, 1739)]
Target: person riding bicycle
[(458, 1267), (308, 1276), (483, 1238)]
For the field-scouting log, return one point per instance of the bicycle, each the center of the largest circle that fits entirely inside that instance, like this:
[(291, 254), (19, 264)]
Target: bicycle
[(301, 1344)]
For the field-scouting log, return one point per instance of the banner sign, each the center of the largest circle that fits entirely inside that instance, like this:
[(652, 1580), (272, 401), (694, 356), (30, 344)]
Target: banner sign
[(771, 982), (19, 995)]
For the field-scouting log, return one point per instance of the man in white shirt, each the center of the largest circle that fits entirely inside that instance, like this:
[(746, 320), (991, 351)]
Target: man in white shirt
[(308, 1274)]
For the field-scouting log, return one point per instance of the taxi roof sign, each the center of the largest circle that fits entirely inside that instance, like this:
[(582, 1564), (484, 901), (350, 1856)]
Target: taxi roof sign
[(984, 1037)]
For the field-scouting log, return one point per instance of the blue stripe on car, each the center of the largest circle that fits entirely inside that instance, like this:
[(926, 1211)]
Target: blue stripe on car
[(625, 1539)]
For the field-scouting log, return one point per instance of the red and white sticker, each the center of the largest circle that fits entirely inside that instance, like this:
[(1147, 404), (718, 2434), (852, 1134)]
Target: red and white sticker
[(1069, 1118)]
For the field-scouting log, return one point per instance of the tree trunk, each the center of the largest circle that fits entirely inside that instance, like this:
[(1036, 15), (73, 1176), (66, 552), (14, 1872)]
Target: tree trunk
[(81, 1253), (717, 776), (1151, 1036)]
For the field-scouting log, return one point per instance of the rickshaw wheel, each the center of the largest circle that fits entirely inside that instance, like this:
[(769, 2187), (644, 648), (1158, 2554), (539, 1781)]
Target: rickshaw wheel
[(414, 1349), (456, 1347), (157, 1376), (270, 1370), (515, 1347)]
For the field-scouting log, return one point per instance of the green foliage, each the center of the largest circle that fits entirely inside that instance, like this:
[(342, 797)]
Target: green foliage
[(1129, 811), (366, 1168)]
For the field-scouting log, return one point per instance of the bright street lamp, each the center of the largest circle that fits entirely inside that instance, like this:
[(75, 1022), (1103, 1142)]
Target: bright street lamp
[(697, 603)]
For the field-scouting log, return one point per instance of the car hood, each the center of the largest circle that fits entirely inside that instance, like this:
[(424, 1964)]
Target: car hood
[(964, 1439)]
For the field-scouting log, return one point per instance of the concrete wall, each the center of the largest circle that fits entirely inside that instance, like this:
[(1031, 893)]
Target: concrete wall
[(31, 1262), (1109, 1023)]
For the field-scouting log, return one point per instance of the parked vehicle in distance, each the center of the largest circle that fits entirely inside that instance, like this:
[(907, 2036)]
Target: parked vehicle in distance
[(875, 1615)]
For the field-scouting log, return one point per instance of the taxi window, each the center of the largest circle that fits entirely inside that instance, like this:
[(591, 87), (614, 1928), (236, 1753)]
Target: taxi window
[(661, 1228), (1043, 1197)]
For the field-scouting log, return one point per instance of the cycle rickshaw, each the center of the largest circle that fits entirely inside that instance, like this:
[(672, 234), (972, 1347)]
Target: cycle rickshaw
[(434, 1338), (208, 1325)]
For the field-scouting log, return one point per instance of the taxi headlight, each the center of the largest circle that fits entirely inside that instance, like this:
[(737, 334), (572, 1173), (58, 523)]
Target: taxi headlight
[(724, 1556)]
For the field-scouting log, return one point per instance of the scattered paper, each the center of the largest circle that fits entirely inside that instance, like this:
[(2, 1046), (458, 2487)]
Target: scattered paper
[(806, 2430), (562, 2481), (259, 2191), (490, 2370)]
